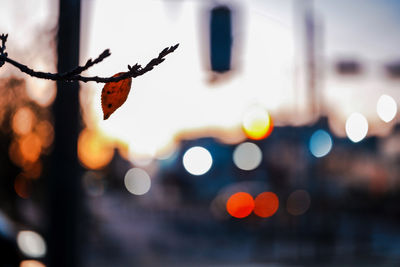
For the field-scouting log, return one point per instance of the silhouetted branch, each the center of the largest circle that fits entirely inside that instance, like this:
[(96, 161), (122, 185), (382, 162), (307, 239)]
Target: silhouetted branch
[(74, 75), (3, 39), (89, 63)]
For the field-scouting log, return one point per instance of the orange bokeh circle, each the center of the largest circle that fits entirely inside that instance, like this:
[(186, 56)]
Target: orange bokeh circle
[(258, 124), (240, 205), (266, 204)]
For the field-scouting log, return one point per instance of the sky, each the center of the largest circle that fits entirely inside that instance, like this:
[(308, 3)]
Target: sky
[(178, 98)]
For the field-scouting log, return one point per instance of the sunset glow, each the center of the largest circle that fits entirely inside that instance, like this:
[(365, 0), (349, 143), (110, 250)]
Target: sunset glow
[(94, 151)]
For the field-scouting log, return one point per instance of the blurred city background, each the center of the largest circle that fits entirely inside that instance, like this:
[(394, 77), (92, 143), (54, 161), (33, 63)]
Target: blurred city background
[(271, 136)]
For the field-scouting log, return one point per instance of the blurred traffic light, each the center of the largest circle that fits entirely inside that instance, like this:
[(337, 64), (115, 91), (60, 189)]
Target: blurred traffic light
[(221, 38)]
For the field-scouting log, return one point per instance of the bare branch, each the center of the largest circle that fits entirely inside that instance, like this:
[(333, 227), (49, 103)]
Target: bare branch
[(74, 75), (3, 39), (89, 63)]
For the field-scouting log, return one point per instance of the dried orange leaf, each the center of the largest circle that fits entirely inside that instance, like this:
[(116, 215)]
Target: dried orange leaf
[(114, 94)]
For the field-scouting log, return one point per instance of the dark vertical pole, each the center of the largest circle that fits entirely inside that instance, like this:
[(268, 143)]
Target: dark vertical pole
[(311, 59), (64, 183)]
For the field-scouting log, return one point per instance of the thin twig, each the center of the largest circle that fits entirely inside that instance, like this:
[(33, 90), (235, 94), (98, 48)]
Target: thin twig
[(89, 63), (74, 75), (3, 39)]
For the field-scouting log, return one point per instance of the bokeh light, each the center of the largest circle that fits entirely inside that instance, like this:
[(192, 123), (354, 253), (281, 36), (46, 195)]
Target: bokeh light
[(43, 92), (33, 170), (94, 150), (356, 127), (197, 160), (257, 123), (31, 263), (30, 147), (23, 121), (247, 156), (240, 205), (22, 186), (266, 204), (31, 244), (386, 108), (137, 181), (298, 202), (320, 143), (45, 131), (14, 152)]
